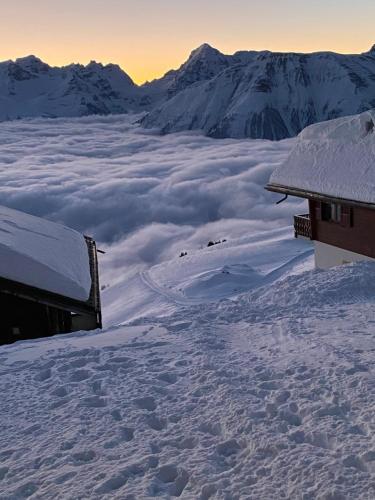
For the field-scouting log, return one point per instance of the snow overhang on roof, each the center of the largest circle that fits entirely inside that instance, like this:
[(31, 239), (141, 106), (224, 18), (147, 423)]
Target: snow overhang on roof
[(333, 160), (43, 254)]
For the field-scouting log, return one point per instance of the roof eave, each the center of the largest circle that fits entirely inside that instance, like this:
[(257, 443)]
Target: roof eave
[(311, 195)]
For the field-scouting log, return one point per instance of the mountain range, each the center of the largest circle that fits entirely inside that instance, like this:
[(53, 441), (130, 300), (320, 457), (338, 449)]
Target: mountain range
[(268, 95)]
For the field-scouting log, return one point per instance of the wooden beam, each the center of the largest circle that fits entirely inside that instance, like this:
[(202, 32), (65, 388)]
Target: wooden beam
[(311, 195)]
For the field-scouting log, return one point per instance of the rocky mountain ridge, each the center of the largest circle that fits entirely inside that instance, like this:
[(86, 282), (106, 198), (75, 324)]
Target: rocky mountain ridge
[(269, 95)]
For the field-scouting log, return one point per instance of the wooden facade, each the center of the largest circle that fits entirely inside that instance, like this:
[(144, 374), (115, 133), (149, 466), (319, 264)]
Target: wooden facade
[(354, 231), (28, 312), (344, 224)]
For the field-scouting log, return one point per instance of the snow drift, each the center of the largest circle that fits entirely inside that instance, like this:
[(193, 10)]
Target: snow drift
[(43, 254), (336, 158), (224, 400)]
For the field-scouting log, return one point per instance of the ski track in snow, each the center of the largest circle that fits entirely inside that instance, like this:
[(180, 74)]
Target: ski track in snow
[(218, 400)]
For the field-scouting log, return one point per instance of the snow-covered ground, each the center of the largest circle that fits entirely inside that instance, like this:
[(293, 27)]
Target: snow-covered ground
[(236, 371), (267, 395)]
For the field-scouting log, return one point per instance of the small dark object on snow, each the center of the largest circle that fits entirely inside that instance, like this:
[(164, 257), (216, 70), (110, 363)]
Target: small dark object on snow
[(183, 254), (369, 127), (212, 243)]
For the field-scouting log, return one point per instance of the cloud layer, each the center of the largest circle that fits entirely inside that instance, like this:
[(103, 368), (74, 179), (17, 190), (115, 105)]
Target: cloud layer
[(145, 196)]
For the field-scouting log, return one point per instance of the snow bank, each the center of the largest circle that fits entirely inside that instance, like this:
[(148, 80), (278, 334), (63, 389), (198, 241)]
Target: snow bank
[(229, 400), (229, 268), (336, 158), (43, 254), (349, 284)]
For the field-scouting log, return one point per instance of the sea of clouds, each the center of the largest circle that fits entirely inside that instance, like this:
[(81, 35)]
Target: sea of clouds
[(143, 196)]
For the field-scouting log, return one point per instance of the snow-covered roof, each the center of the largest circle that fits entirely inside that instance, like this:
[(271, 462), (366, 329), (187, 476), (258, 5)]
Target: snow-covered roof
[(43, 254), (334, 158)]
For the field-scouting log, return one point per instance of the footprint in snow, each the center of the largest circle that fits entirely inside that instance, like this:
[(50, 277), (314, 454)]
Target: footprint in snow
[(187, 443), (93, 402), (25, 490), (116, 415), (3, 472), (210, 428), (228, 448), (43, 375), (156, 423), (146, 403), (80, 375), (78, 362), (60, 392), (168, 377), (126, 433), (176, 476), (83, 457)]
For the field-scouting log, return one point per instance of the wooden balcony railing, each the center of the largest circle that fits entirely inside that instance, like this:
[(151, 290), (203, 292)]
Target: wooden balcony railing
[(302, 226)]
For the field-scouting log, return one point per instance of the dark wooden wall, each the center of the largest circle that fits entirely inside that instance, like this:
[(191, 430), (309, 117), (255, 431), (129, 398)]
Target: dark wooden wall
[(24, 319), (356, 232)]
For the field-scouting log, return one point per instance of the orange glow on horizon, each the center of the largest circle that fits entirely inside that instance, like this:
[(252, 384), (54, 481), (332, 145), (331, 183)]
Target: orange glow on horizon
[(156, 67), (147, 39)]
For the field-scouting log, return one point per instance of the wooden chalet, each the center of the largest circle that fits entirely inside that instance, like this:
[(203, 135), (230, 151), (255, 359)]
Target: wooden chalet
[(49, 281), (333, 167)]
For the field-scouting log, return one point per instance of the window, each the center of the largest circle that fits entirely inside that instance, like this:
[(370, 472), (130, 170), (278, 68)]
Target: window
[(331, 212), (336, 212)]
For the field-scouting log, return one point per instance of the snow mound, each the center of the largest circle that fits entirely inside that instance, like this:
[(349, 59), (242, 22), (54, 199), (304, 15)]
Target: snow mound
[(349, 284), (335, 158), (229, 268), (224, 282), (43, 254)]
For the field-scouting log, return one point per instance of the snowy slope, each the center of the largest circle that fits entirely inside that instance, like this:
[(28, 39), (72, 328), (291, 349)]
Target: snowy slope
[(271, 95), (29, 87), (43, 254), (336, 158), (234, 372), (266, 396), (204, 275)]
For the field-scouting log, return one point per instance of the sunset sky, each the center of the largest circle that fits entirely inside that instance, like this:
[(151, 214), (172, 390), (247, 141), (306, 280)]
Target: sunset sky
[(148, 37)]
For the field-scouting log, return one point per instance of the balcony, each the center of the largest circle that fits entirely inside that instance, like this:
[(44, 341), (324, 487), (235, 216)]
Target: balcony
[(302, 226)]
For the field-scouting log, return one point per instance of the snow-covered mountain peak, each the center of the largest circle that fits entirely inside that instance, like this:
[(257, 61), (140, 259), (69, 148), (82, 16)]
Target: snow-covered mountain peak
[(204, 51), (29, 87), (204, 63), (95, 65), (268, 95), (31, 63), (28, 60), (206, 55)]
